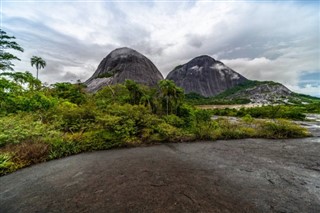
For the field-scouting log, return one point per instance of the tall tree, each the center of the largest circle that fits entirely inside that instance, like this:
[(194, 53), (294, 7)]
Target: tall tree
[(6, 43), (134, 91), (171, 95), (38, 62)]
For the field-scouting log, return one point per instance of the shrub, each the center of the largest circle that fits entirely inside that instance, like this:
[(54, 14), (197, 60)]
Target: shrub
[(20, 127), (169, 133), (61, 148), (174, 120), (14, 157), (69, 92), (247, 118), (72, 118), (6, 164), (282, 129), (29, 152)]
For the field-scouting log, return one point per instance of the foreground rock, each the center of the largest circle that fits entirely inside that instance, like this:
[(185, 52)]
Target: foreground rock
[(121, 64), (205, 76), (253, 175)]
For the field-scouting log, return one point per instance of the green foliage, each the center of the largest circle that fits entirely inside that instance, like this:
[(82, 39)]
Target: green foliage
[(70, 117), (174, 120), (7, 43), (111, 94), (106, 75), (22, 92), (170, 95), (17, 128), (6, 164), (38, 62), (169, 133), (247, 118), (128, 123), (39, 123), (196, 99), (243, 86), (282, 129), (71, 92), (135, 91), (278, 111)]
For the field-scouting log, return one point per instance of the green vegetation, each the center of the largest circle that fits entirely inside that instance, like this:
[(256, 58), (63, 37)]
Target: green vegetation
[(7, 43), (39, 123), (196, 99), (246, 85), (229, 96), (292, 112), (223, 98), (38, 62)]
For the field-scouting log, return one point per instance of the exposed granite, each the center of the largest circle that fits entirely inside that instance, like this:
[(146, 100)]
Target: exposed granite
[(205, 76), (122, 64)]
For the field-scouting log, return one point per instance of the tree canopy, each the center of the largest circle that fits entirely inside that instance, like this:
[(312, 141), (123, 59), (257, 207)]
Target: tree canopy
[(6, 43), (38, 62)]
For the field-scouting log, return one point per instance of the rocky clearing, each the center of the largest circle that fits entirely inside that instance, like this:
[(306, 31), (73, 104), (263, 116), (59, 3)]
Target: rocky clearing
[(252, 175)]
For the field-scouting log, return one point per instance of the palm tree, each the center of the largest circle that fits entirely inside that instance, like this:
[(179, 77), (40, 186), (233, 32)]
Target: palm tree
[(38, 62), (171, 94)]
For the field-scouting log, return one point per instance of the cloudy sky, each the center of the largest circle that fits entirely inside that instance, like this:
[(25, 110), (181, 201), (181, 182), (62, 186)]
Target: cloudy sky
[(262, 40)]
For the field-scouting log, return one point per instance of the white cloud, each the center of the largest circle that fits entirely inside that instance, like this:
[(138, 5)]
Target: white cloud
[(308, 89), (265, 41)]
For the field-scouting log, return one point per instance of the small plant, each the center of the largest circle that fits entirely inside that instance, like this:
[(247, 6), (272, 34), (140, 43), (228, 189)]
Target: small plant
[(247, 118)]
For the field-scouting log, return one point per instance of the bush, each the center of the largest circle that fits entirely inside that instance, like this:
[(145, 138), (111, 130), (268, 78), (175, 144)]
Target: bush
[(169, 133), (20, 127), (14, 157), (282, 129), (6, 164), (247, 118), (71, 117), (206, 130), (173, 120)]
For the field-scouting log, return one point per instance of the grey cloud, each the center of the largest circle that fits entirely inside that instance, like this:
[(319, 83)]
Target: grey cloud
[(249, 38), (194, 40)]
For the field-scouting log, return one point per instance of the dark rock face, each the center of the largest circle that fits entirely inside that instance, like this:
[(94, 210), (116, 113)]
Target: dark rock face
[(205, 76), (122, 64)]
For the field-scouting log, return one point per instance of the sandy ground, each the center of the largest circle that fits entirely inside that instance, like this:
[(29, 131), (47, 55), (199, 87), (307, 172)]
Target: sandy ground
[(234, 106), (252, 175)]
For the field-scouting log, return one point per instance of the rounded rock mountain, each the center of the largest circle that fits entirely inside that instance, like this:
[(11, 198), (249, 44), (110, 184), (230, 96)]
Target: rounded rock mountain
[(122, 64), (205, 76)]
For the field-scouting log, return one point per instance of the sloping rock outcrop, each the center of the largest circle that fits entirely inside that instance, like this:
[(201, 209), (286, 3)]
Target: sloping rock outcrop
[(122, 64), (264, 93)]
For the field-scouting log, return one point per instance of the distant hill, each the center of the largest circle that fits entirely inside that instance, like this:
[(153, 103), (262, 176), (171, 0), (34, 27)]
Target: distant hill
[(121, 64), (258, 92)]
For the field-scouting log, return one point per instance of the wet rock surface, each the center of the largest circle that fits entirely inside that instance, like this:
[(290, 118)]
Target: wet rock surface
[(252, 175)]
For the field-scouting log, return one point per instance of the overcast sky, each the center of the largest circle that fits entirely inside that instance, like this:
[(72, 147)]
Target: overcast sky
[(262, 40)]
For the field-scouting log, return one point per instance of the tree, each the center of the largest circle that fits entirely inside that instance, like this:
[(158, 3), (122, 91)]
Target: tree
[(6, 42), (171, 95), (135, 91), (38, 62)]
